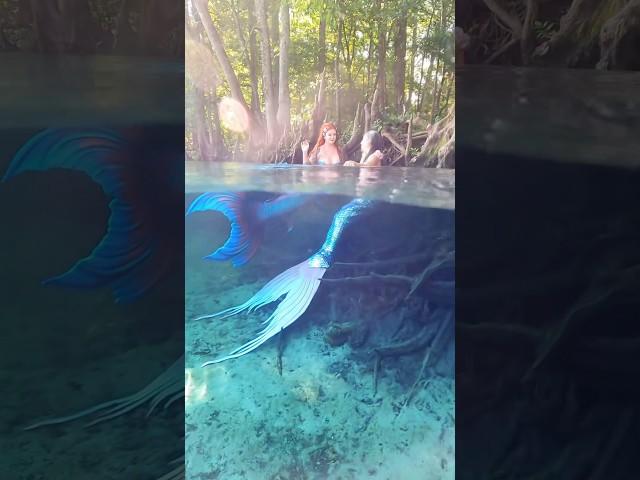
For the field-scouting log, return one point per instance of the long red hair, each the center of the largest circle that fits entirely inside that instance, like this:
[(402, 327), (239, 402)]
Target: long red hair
[(324, 129)]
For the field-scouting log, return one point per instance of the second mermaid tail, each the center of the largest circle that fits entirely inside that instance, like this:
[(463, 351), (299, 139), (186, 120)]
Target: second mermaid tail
[(247, 220), (127, 259), (298, 284)]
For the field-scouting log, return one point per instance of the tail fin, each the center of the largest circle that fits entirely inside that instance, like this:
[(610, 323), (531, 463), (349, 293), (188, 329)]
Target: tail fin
[(167, 387), (122, 259), (298, 285), (246, 230)]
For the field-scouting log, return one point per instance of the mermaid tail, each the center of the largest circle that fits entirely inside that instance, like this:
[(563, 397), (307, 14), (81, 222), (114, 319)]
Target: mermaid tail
[(247, 220), (246, 232), (298, 284), (167, 387), (122, 259)]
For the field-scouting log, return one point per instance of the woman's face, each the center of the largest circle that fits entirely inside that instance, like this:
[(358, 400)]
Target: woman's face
[(331, 136)]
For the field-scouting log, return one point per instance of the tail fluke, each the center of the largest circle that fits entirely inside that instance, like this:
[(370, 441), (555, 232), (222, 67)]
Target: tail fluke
[(122, 259), (246, 230), (299, 284), (167, 387)]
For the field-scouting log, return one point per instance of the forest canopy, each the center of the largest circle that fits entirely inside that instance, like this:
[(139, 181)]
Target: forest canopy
[(275, 69)]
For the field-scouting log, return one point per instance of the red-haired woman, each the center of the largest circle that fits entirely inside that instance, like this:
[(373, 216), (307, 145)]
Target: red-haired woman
[(326, 151)]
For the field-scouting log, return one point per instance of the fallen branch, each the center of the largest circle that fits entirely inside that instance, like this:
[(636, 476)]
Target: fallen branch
[(281, 343), (413, 344), (376, 369), (393, 141), (428, 272), (402, 280), (510, 20), (501, 50), (434, 351), (384, 263), (600, 353), (569, 325), (407, 151), (438, 291)]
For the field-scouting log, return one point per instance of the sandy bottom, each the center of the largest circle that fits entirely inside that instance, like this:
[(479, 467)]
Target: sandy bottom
[(319, 420), (131, 446)]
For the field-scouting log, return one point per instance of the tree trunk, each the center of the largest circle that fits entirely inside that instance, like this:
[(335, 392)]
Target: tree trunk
[(435, 86), (124, 39), (350, 48), (201, 137), (619, 39), (249, 52), (448, 96), (337, 73), (356, 134), (221, 54), (157, 18), (284, 100), (369, 62), (412, 65), (253, 56), (220, 151), (273, 6), (319, 110), (421, 88), (64, 26), (267, 77), (367, 117), (379, 97), (435, 108), (400, 50), (322, 43)]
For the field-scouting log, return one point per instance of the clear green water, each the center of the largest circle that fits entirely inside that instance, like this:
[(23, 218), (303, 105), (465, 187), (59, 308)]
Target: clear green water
[(319, 415), (429, 188)]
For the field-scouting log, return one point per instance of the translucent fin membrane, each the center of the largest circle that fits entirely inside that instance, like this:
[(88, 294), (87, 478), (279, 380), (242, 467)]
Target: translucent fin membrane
[(299, 283), (246, 231), (123, 258), (167, 387)]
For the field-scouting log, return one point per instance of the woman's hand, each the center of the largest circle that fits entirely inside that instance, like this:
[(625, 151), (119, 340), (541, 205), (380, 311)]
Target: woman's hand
[(375, 159), (377, 155), (304, 145)]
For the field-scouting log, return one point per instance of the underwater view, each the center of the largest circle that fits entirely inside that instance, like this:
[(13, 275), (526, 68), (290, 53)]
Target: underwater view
[(319, 338), (92, 315)]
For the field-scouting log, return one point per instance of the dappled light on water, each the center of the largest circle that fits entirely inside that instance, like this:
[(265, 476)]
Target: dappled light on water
[(195, 389), (423, 187)]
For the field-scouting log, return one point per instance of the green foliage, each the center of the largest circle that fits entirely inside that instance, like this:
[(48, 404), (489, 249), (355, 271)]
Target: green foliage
[(544, 30), (360, 23)]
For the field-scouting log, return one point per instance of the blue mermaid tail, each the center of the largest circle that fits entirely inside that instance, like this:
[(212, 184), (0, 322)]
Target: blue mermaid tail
[(298, 284), (123, 259), (247, 218)]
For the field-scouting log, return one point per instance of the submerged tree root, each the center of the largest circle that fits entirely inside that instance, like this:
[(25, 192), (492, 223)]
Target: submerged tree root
[(432, 355), (413, 344), (280, 351)]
